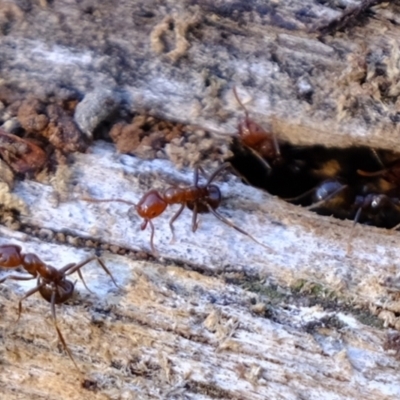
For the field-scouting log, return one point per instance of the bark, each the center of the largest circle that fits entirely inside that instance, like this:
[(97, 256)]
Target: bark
[(215, 315)]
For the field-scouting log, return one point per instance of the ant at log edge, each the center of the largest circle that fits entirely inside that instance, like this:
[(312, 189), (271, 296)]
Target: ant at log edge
[(199, 198), (52, 283)]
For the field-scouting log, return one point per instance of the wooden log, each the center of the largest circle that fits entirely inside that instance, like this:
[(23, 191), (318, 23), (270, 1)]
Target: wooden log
[(217, 315)]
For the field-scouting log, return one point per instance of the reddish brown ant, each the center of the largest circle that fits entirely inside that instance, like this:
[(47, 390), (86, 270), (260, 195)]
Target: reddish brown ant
[(262, 144), (198, 198), (51, 282)]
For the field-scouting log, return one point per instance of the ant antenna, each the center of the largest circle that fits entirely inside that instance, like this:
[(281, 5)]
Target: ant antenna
[(89, 199), (371, 174), (240, 102), (224, 166), (232, 225)]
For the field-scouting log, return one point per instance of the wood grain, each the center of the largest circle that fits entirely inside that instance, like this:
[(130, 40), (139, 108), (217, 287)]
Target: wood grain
[(216, 315)]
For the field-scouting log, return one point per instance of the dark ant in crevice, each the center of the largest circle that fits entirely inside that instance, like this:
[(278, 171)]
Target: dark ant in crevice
[(356, 183), (52, 283), (199, 198)]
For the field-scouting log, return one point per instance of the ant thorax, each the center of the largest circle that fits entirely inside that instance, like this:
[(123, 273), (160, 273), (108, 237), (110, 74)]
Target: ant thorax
[(185, 195), (10, 256)]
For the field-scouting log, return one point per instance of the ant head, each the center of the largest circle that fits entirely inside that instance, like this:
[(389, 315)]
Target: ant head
[(380, 201), (151, 205), (10, 255), (214, 196), (62, 291)]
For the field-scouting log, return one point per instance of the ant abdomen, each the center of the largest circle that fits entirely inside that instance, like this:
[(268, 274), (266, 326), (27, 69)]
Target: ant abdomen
[(10, 256)]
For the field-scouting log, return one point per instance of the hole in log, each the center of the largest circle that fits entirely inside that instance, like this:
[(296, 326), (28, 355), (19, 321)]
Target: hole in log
[(357, 183)]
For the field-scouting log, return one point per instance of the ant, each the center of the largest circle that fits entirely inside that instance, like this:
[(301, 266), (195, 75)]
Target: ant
[(391, 173), (51, 282), (380, 208), (325, 193), (198, 198), (263, 145)]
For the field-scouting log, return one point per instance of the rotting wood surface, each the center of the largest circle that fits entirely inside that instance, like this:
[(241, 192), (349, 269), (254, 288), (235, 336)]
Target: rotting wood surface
[(196, 331), (217, 316)]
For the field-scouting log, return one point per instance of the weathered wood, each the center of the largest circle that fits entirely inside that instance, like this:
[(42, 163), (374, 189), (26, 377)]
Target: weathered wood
[(217, 316), (176, 332), (181, 60)]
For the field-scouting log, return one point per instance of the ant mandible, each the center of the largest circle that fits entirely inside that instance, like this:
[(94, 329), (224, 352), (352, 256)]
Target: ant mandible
[(262, 144), (51, 282), (198, 198)]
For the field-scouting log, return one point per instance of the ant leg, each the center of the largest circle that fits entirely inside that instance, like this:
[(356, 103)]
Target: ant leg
[(28, 294), (240, 102), (232, 225), (356, 218), (173, 219), (377, 157), (397, 226), (259, 158), (153, 249), (108, 272), (83, 281), (195, 223), (60, 336), (333, 194), (224, 166), (144, 224), (196, 176), (143, 227), (71, 268), (276, 145), (301, 196), (203, 172)]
